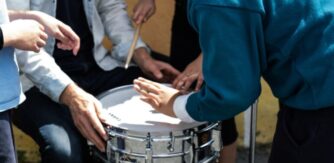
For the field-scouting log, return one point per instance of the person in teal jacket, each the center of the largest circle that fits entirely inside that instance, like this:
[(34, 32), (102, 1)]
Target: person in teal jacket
[(290, 44)]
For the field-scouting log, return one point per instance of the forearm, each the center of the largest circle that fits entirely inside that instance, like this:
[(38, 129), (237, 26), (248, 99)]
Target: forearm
[(25, 14), (141, 55), (21, 14)]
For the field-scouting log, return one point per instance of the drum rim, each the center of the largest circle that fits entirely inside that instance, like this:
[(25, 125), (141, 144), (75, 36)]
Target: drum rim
[(105, 93)]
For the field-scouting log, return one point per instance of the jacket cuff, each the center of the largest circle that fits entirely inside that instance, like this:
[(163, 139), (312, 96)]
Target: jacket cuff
[(58, 87), (179, 108)]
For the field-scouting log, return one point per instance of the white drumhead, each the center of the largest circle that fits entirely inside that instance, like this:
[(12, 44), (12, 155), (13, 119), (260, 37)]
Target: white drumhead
[(128, 112)]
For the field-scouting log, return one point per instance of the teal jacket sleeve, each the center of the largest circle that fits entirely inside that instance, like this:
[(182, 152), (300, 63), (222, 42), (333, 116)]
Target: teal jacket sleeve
[(232, 43)]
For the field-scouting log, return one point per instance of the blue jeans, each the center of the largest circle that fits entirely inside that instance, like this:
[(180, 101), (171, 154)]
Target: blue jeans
[(50, 124), (7, 148)]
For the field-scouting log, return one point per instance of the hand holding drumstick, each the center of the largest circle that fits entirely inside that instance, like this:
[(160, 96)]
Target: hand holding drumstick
[(143, 10)]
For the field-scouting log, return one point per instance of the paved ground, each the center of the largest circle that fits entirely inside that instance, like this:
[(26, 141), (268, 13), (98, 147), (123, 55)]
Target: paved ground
[(261, 154)]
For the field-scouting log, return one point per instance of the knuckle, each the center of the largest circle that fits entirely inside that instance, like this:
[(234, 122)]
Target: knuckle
[(77, 123), (86, 112), (36, 49), (56, 33)]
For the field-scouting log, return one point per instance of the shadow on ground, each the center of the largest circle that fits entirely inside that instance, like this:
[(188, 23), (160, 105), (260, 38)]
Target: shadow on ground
[(261, 154)]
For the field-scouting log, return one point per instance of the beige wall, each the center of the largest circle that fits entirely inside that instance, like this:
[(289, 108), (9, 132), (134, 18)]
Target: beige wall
[(156, 32)]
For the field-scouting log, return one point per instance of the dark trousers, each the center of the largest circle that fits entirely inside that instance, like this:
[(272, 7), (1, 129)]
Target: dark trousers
[(303, 136), (50, 124), (7, 147)]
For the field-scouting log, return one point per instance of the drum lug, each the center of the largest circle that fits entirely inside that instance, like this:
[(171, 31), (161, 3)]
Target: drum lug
[(108, 150), (149, 152), (171, 142), (216, 136)]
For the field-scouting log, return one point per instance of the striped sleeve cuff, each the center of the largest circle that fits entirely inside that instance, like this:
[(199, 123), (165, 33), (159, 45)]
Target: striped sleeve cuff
[(179, 108)]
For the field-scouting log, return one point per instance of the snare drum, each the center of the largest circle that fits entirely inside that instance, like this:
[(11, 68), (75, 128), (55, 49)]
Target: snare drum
[(140, 134)]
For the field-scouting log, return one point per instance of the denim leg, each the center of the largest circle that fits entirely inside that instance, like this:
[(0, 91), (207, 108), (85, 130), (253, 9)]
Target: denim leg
[(51, 126), (7, 149)]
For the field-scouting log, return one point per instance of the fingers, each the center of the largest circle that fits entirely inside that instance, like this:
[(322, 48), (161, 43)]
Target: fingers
[(168, 68), (70, 38), (156, 71), (149, 97), (188, 81), (96, 121), (61, 37), (142, 13), (184, 81), (145, 88), (63, 46), (199, 82), (143, 10), (41, 27), (104, 117), (180, 81), (35, 49), (43, 36), (152, 83), (40, 40), (136, 12), (150, 101), (163, 72), (140, 19), (85, 120), (88, 131), (177, 80), (40, 43), (101, 113), (93, 127)]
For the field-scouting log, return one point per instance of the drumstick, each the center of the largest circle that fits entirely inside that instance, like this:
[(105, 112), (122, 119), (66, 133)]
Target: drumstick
[(133, 46)]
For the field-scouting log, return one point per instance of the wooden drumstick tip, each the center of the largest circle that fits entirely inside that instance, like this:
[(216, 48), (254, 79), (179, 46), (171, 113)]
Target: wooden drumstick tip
[(133, 46)]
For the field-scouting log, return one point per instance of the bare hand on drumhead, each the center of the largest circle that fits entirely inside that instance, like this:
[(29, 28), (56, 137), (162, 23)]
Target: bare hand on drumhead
[(24, 35), (157, 70), (192, 73), (87, 114), (143, 10), (159, 96), (68, 39)]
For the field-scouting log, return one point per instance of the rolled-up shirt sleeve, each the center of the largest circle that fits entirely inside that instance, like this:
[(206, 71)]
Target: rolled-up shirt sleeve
[(43, 71), (231, 40)]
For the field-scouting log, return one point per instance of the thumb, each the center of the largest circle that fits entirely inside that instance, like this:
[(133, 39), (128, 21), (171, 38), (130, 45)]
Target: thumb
[(157, 73)]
